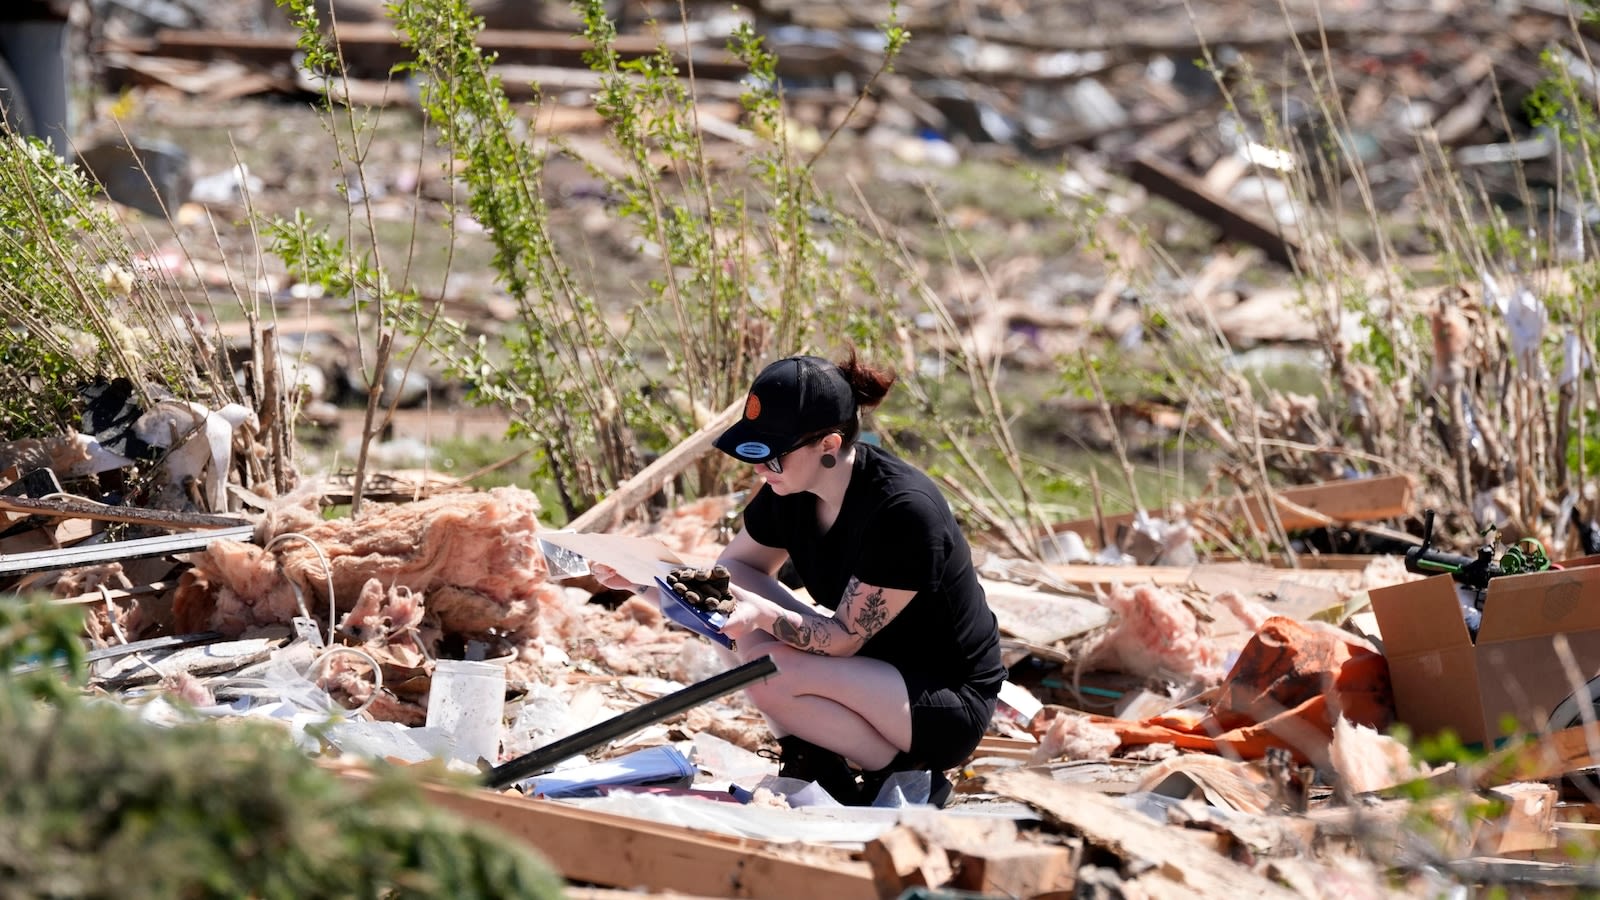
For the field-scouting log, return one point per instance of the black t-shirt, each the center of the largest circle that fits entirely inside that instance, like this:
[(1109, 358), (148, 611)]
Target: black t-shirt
[(894, 530)]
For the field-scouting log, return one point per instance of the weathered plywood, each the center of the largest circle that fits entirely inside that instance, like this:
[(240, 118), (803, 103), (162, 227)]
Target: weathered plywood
[(1040, 617)]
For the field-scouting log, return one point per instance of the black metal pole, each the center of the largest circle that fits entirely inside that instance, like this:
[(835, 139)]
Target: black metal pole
[(536, 761)]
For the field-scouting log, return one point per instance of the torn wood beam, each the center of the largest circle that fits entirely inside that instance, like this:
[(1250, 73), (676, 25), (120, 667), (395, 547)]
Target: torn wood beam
[(138, 548), (1166, 180), (617, 851), (69, 508)]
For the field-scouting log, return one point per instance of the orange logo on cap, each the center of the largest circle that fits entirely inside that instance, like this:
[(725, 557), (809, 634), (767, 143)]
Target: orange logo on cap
[(752, 407)]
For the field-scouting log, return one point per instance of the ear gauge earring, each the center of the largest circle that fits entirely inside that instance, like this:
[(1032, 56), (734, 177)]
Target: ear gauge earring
[(829, 460)]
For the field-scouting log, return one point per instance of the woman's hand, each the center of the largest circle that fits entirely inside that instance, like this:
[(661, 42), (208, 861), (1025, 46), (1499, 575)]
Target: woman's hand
[(753, 612), (612, 579)]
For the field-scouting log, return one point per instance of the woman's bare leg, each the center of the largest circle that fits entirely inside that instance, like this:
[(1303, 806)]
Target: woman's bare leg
[(853, 706)]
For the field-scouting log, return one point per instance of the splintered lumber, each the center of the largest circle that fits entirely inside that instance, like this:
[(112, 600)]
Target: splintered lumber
[(69, 508), (902, 858), (1300, 507), (1170, 182), (650, 479), (1018, 870), (1162, 852), (617, 851)]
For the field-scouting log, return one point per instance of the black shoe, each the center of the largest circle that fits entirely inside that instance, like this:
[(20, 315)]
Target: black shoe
[(939, 788), (799, 758)]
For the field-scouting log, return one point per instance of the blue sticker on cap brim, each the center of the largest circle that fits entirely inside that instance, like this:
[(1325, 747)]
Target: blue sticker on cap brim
[(753, 450)]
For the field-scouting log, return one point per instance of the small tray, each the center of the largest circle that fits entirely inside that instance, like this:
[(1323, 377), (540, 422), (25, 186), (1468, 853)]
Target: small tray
[(678, 610)]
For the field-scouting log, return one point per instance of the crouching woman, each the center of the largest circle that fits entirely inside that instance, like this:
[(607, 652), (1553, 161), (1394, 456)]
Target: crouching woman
[(900, 668)]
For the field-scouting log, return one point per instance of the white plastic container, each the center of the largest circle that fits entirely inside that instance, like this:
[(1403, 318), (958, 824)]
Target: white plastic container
[(467, 702)]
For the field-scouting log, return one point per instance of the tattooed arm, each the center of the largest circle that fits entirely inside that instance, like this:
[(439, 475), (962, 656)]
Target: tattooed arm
[(862, 613)]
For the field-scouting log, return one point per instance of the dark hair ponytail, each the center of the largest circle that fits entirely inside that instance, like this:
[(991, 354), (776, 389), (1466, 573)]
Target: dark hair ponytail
[(869, 384)]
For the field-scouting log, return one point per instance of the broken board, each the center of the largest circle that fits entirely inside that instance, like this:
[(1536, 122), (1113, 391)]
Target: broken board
[(1042, 618)]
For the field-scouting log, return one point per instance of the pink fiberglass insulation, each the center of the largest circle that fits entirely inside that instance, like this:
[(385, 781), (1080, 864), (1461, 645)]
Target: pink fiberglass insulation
[(1250, 613), (1072, 736), (189, 689), (1156, 635), (1368, 761), (642, 610), (232, 587), (472, 558)]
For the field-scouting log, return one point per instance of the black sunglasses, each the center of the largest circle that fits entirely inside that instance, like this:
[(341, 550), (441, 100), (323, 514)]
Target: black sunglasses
[(775, 464)]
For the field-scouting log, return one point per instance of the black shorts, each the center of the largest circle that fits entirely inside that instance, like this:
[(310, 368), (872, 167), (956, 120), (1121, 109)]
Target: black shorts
[(946, 723)]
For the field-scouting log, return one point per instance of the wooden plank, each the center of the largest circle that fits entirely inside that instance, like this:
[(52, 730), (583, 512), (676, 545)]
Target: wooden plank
[(617, 851), (1163, 851), (1084, 574), (1353, 500), (139, 548), (1018, 870), (1166, 180), (69, 508), (1005, 748)]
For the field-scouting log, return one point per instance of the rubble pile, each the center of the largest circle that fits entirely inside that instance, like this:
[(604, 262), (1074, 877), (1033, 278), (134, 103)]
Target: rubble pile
[(1176, 721), (1227, 721)]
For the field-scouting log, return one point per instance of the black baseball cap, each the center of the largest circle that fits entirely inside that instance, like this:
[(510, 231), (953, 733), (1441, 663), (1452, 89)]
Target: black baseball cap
[(791, 400)]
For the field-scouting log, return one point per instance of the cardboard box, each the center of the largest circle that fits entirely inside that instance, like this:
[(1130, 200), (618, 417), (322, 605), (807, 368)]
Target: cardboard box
[(1442, 680)]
